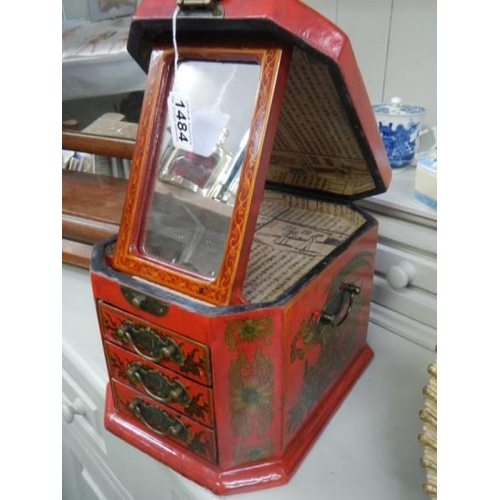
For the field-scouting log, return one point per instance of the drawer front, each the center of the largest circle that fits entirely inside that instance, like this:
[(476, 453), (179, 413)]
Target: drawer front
[(83, 388), (81, 411), (160, 384), (156, 344), (405, 234), (164, 423), (412, 303)]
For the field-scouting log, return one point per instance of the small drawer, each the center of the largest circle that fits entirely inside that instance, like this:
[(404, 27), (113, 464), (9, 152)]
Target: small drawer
[(410, 302), (78, 409), (156, 344), (167, 424), (162, 385)]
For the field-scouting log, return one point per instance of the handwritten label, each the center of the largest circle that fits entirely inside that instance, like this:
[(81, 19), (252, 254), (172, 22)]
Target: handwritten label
[(180, 121)]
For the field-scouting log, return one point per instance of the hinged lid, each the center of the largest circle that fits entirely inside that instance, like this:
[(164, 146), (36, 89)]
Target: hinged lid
[(238, 95), (327, 139)]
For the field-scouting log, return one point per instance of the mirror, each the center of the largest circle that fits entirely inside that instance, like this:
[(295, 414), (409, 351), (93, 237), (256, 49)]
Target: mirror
[(210, 110)]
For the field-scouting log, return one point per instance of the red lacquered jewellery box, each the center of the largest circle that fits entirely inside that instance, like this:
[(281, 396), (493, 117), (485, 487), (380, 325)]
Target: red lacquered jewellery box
[(234, 302)]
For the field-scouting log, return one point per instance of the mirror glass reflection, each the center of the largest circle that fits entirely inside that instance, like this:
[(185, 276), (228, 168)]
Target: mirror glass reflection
[(210, 110)]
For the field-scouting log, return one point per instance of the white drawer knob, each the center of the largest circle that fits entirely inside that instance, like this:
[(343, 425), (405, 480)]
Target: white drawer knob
[(402, 275), (69, 411)]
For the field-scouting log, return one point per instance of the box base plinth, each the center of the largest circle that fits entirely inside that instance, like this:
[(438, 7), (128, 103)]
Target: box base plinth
[(267, 473)]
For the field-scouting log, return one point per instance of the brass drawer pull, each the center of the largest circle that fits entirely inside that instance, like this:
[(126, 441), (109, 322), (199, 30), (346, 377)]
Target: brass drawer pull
[(157, 420), (337, 310), (156, 385), (152, 346), (163, 423)]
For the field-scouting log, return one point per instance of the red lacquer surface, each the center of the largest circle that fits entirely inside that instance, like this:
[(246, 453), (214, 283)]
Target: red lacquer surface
[(265, 364), (268, 473)]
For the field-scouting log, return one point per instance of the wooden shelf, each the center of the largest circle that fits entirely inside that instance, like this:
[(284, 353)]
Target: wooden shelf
[(91, 211), (98, 144)]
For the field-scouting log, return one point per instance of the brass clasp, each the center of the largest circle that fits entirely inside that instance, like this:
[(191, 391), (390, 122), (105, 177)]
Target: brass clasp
[(199, 7), (197, 4), (144, 302)]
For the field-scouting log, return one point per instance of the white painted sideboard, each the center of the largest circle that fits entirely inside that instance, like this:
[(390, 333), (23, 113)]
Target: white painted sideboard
[(405, 287), (369, 448)]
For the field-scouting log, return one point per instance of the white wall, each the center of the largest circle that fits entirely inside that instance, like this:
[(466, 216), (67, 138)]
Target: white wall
[(76, 9), (395, 42)]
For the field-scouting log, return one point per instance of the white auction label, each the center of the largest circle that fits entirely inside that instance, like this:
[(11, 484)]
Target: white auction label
[(179, 113)]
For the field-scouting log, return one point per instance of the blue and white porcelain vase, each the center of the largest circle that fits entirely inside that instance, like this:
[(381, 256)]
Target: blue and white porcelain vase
[(399, 125)]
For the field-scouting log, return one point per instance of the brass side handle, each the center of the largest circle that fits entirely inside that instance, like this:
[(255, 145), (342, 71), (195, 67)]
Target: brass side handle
[(337, 312)]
